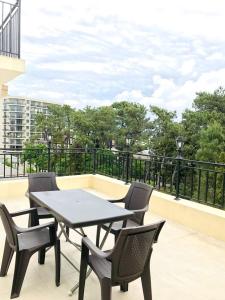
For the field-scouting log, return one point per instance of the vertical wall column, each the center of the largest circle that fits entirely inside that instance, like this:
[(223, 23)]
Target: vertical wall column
[(3, 90)]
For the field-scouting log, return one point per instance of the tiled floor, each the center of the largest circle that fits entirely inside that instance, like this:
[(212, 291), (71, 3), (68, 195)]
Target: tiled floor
[(185, 265)]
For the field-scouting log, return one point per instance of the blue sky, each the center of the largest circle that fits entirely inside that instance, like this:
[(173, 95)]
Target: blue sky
[(96, 52)]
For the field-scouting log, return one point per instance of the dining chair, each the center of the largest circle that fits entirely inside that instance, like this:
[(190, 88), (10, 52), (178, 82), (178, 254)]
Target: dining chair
[(42, 182), (126, 262), (137, 199), (25, 242)]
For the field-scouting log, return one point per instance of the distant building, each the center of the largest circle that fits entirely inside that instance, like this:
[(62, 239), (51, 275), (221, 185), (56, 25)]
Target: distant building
[(144, 154), (17, 120)]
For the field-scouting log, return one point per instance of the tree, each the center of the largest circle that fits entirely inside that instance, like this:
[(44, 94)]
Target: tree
[(212, 143), (208, 107), (131, 118), (164, 131), (59, 122)]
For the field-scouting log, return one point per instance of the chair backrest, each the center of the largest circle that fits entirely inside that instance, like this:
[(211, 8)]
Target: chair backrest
[(138, 197), (132, 251), (41, 182), (9, 225)]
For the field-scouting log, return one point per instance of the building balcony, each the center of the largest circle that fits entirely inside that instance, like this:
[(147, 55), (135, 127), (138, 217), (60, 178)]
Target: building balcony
[(187, 262), (11, 65)]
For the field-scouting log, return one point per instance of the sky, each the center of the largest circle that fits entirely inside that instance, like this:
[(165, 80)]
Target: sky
[(96, 52)]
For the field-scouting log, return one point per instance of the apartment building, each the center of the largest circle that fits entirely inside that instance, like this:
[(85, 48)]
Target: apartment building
[(17, 120)]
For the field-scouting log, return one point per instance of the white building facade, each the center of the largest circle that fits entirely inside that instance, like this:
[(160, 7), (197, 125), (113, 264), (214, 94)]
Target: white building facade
[(17, 120)]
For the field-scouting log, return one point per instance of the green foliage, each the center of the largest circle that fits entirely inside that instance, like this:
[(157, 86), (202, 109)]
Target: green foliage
[(36, 157), (131, 118), (203, 127), (212, 143), (163, 131), (59, 122)]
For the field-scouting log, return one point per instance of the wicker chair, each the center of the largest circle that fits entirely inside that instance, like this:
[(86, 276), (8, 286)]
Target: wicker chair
[(41, 182), (137, 199), (25, 242), (127, 261)]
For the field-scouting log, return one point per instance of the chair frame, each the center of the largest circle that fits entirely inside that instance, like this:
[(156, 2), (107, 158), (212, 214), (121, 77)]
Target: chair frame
[(114, 257), (23, 255), (43, 214), (138, 213)]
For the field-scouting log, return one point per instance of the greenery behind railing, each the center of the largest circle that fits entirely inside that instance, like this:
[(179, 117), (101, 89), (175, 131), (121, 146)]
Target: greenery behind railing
[(198, 181)]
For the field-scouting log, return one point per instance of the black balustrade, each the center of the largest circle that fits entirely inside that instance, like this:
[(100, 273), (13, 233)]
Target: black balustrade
[(199, 181), (10, 28)]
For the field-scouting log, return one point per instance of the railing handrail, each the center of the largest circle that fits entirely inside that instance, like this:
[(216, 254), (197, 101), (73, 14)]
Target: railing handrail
[(132, 154)]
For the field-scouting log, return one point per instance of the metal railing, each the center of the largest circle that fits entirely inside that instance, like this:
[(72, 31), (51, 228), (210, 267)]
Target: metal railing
[(199, 181), (10, 28)]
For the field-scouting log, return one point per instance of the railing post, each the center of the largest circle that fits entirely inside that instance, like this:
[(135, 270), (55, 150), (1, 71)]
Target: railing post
[(49, 157), (178, 168), (94, 161), (127, 166)]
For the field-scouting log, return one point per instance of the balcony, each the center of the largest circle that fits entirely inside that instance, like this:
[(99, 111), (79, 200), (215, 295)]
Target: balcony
[(10, 63), (186, 262)]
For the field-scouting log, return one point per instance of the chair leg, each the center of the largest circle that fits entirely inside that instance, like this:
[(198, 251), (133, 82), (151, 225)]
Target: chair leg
[(41, 256), (106, 289), (33, 220), (6, 260), (57, 263), (98, 235), (83, 271), (116, 237), (67, 231), (146, 283), (22, 261), (124, 287)]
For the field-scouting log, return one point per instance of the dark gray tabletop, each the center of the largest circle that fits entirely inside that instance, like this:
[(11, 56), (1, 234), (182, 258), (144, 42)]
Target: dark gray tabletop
[(78, 208)]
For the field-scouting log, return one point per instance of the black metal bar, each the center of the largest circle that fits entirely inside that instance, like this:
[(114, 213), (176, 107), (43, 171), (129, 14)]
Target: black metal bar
[(199, 183), (178, 178), (49, 157), (94, 161), (127, 167), (214, 187), (10, 29), (223, 192), (192, 182), (206, 186)]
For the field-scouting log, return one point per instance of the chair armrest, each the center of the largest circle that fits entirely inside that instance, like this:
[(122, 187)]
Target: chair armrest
[(24, 212), (116, 200), (94, 249), (50, 225), (138, 211)]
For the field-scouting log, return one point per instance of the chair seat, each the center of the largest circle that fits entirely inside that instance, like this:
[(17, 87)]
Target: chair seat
[(34, 239), (117, 226), (44, 213), (101, 267)]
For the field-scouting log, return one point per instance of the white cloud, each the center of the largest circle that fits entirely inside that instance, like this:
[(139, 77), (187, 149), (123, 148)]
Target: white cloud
[(172, 96), (187, 67), (155, 52)]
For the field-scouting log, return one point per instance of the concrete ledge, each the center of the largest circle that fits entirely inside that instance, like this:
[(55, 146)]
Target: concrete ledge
[(10, 68), (202, 218), (16, 188), (205, 219)]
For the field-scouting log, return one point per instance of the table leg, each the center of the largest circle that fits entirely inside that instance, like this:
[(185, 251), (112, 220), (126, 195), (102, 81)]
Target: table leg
[(72, 291)]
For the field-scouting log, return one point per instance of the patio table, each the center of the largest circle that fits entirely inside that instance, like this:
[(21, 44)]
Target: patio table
[(78, 209)]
